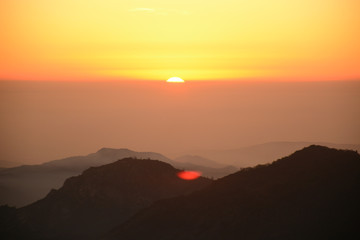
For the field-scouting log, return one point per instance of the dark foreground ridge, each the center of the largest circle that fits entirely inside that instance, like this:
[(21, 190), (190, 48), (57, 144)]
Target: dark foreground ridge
[(23, 185), (20, 186), (311, 194), (100, 198)]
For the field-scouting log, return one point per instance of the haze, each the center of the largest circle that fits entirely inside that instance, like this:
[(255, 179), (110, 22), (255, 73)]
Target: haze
[(42, 120)]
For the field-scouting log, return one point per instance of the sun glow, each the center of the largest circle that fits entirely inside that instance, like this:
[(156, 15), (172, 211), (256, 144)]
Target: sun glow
[(175, 80), (226, 40), (189, 175)]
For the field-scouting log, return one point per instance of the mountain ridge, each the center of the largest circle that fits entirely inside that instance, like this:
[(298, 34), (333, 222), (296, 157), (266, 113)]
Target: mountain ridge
[(310, 194), (91, 203), (25, 184), (264, 153)]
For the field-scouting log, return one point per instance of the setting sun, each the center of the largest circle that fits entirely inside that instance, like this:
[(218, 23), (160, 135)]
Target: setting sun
[(226, 40), (175, 80), (165, 119)]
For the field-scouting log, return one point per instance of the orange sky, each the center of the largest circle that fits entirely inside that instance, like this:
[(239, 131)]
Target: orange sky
[(46, 120), (194, 40)]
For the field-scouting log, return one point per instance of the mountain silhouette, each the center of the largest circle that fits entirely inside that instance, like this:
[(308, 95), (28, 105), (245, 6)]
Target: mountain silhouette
[(263, 153), (23, 185), (8, 164), (101, 197), (209, 172), (312, 194)]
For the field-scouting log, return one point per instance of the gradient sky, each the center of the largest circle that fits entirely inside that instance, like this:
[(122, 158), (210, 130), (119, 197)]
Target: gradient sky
[(195, 40), (46, 120), (297, 62)]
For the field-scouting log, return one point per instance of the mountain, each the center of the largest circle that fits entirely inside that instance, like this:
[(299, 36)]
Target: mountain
[(312, 194), (10, 225), (209, 172), (198, 160), (25, 184), (207, 167), (101, 197), (104, 156), (263, 153), (8, 164)]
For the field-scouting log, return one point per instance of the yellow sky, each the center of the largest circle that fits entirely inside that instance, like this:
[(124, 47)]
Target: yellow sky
[(191, 39)]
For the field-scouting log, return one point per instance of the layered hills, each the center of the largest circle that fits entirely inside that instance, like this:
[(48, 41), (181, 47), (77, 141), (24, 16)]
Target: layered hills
[(23, 185), (263, 153), (312, 194), (101, 197)]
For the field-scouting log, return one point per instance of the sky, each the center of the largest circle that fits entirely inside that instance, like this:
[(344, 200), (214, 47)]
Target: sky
[(194, 40), (48, 120), (79, 75)]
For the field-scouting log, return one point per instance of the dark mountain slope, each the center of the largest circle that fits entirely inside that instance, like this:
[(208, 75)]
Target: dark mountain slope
[(213, 173), (23, 185), (311, 194), (208, 168), (8, 164), (101, 197), (263, 153)]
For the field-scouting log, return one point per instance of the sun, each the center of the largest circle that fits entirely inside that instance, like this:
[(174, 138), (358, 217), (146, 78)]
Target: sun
[(175, 80)]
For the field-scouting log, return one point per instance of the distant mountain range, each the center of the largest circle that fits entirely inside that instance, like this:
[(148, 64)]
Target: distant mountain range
[(207, 167), (198, 160), (263, 153), (311, 194), (25, 184), (101, 197), (9, 164)]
